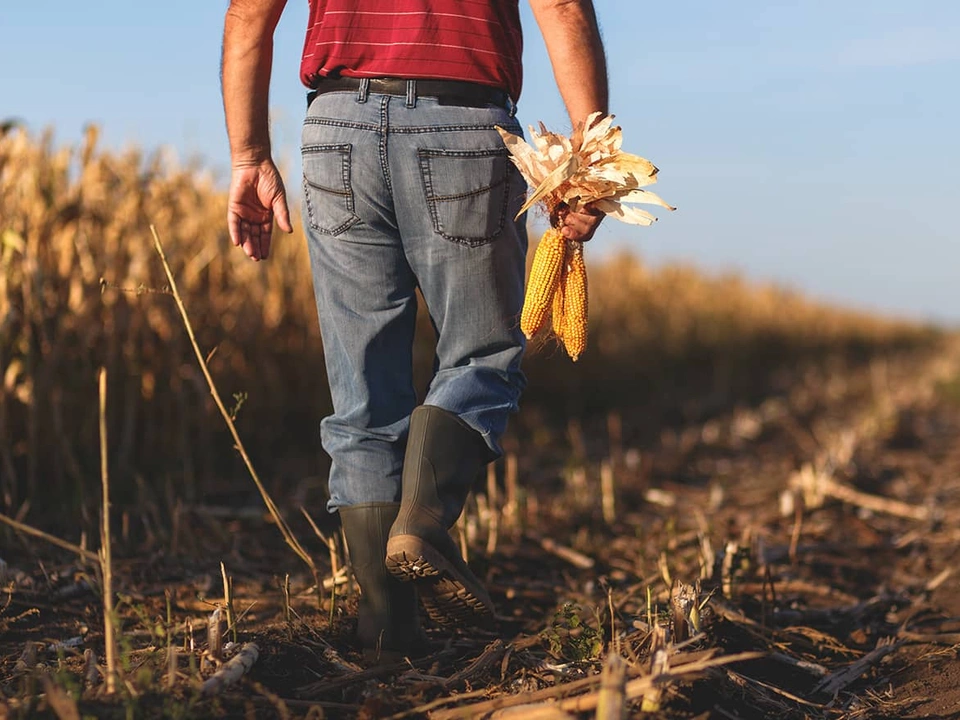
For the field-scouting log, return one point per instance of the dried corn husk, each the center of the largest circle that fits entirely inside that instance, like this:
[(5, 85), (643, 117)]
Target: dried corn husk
[(588, 168)]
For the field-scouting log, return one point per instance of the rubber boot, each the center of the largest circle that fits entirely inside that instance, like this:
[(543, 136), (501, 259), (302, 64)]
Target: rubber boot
[(443, 457), (388, 620)]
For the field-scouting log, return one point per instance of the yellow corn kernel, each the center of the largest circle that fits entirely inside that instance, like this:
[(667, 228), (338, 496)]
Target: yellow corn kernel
[(544, 278), (574, 334), (557, 311)]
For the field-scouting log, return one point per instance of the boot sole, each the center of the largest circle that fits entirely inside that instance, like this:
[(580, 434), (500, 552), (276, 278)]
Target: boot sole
[(449, 596)]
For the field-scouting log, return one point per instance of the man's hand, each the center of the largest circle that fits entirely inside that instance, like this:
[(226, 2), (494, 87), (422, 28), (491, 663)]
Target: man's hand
[(579, 226), (256, 197)]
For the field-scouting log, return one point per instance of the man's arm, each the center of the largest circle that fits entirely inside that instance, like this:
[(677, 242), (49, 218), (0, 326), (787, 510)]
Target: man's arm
[(257, 195), (572, 37)]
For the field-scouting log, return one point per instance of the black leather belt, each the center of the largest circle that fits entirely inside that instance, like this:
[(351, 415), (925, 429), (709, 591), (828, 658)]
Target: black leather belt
[(446, 92)]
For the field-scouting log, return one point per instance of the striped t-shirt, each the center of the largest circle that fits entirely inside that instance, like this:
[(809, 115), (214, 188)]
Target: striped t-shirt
[(474, 40)]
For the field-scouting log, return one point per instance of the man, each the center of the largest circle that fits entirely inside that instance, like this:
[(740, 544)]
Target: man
[(407, 185)]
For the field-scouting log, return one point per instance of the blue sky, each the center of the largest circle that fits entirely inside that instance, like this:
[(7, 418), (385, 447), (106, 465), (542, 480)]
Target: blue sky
[(807, 142)]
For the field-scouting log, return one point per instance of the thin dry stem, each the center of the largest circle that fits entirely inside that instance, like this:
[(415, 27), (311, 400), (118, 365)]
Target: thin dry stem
[(228, 601), (493, 512), (106, 563), (268, 501), (511, 508), (575, 558), (608, 492), (52, 539)]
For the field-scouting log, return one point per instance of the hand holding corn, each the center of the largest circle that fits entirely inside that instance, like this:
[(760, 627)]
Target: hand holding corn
[(587, 169)]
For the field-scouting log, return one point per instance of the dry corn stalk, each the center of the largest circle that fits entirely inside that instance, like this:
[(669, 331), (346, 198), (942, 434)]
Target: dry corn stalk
[(588, 169), (215, 627), (232, 670)]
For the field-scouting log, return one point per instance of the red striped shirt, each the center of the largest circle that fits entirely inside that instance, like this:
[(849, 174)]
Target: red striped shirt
[(474, 40)]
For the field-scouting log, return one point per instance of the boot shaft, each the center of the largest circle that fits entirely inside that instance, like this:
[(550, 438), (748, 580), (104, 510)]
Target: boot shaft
[(388, 617), (443, 457)]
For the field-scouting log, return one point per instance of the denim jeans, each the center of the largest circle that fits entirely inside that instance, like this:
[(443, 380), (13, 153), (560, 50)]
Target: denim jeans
[(402, 195)]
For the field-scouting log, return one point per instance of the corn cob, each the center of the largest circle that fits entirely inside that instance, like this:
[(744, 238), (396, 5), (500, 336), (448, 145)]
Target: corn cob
[(544, 278), (574, 322)]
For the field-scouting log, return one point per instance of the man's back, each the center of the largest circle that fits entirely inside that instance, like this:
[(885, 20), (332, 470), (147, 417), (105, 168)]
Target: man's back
[(473, 40)]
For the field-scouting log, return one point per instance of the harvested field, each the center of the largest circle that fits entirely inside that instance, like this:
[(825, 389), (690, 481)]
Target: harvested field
[(739, 504)]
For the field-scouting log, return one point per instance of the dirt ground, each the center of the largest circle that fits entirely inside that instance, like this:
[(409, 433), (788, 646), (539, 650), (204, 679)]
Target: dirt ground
[(815, 536)]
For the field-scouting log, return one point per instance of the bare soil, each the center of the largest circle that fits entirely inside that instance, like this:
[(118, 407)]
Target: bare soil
[(852, 602)]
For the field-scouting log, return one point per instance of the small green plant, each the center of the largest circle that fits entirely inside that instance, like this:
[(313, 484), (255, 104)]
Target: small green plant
[(570, 638), (239, 398)]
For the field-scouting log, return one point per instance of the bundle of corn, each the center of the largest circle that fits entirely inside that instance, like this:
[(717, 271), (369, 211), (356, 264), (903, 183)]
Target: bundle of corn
[(569, 174)]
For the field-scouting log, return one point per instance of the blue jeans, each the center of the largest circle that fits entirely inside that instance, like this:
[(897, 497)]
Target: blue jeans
[(400, 197)]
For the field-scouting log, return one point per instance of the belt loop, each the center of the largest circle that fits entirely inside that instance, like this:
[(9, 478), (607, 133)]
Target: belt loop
[(511, 106), (364, 90), (411, 94)]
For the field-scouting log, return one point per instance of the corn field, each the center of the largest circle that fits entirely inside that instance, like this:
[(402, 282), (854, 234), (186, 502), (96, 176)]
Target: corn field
[(81, 287)]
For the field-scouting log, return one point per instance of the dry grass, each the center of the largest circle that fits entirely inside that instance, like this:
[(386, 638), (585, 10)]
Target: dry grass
[(78, 289), (81, 287)]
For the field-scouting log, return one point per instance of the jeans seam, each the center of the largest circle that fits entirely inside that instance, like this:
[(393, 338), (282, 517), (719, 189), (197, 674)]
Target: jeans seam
[(432, 129), (327, 122), (383, 130), (492, 152), (464, 196), (345, 194), (427, 180)]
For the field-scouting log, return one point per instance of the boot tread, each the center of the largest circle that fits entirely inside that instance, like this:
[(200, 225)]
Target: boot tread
[(449, 594)]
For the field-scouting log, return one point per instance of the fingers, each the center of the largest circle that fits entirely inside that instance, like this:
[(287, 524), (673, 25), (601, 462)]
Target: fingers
[(282, 213), (252, 237), (581, 225), (233, 224), (256, 198), (250, 223), (266, 235), (255, 238)]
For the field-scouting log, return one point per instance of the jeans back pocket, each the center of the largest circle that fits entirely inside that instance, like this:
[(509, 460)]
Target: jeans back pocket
[(327, 192), (466, 192)]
